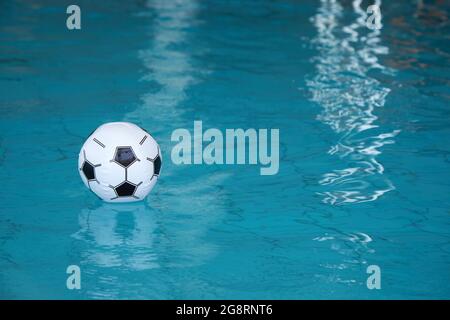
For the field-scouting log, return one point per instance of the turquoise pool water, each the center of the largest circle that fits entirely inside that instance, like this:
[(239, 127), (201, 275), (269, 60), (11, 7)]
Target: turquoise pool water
[(364, 126)]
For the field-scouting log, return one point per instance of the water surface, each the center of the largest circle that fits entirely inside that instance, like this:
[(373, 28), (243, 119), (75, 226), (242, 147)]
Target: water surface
[(364, 155)]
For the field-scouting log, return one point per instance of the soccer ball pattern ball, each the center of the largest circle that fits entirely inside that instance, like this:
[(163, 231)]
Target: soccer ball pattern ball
[(120, 162)]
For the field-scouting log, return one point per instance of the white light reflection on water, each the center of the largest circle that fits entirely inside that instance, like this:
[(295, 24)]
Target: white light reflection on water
[(349, 97)]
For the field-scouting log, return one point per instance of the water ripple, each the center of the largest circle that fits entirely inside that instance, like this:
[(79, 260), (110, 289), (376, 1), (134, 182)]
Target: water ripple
[(349, 97)]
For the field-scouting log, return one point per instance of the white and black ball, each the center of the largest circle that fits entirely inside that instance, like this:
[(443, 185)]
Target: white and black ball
[(120, 162)]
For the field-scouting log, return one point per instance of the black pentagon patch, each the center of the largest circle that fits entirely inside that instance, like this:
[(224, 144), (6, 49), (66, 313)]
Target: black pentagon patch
[(126, 189), (124, 156), (157, 165), (88, 170)]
